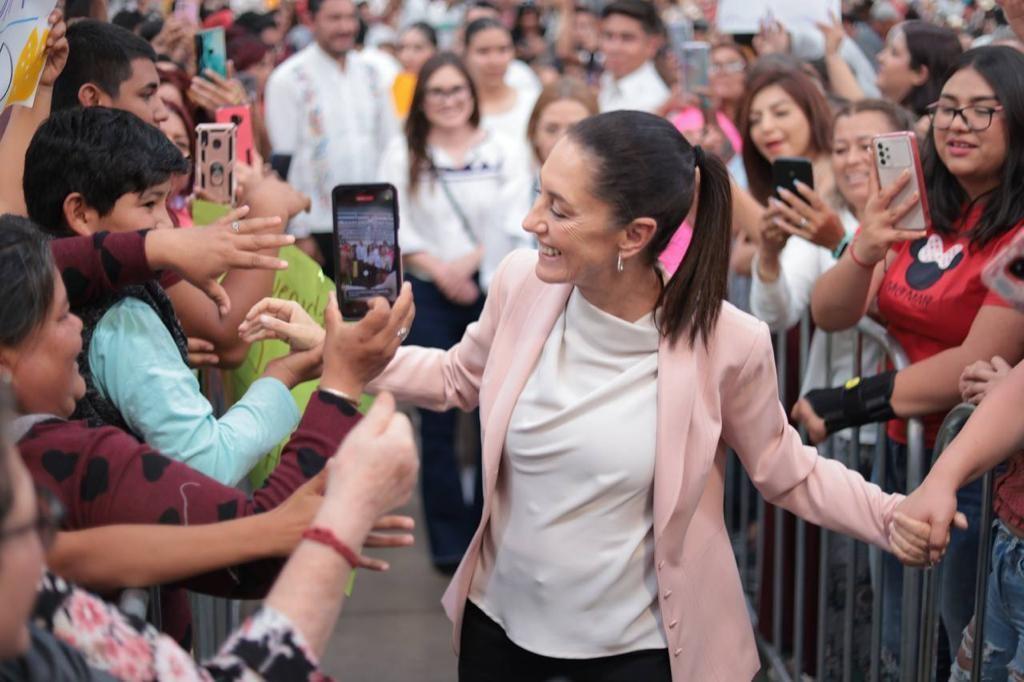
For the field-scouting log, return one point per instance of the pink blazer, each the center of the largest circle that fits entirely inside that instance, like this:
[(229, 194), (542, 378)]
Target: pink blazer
[(709, 398)]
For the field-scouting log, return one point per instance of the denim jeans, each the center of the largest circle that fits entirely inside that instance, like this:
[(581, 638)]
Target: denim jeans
[(959, 567), (1003, 652), (451, 519)]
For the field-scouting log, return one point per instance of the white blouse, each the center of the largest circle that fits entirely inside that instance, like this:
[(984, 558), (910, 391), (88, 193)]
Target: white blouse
[(567, 562), (491, 187)]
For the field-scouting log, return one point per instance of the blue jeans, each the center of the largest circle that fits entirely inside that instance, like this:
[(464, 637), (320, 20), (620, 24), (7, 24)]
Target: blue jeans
[(959, 567), (451, 520), (1003, 653)]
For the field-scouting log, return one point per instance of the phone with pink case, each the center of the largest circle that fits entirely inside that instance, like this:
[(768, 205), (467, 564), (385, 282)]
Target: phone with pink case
[(894, 154), (1004, 274)]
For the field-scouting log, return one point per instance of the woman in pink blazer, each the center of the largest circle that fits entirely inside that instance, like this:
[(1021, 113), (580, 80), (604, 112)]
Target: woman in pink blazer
[(621, 567)]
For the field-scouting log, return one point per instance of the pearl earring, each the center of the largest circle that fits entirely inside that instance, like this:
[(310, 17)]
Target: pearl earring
[(619, 266)]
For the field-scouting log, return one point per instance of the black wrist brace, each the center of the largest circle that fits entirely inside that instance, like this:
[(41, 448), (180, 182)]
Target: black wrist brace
[(860, 401)]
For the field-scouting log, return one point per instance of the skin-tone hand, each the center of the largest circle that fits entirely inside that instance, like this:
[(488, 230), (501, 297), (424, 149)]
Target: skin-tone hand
[(202, 254), (979, 378), (56, 49), (212, 91), (809, 217), (804, 415), (771, 39), (878, 232), (248, 177), (275, 318), (356, 353), (201, 353), (908, 540), (295, 515), (455, 278), (176, 40), (1014, 12), (833, 33), (934, 504), (297, 367)]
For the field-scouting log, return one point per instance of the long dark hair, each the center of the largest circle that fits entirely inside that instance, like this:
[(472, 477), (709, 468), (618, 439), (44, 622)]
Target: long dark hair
[(26, 279), (417, 126), (1003, 69), (644, 167), (935, 48), (811, 102)]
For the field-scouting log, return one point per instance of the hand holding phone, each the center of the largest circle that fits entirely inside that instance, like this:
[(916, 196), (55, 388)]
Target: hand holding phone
[(788, 170), (895, 154), (212, 52), (367, 259), (1004, 274)]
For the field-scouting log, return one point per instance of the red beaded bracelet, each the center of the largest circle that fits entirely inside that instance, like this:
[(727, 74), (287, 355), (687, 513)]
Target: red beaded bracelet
[(326, 537), (853, 255)]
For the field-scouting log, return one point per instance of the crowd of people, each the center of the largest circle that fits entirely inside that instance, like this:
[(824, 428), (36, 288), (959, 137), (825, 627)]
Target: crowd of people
[(596, 256)]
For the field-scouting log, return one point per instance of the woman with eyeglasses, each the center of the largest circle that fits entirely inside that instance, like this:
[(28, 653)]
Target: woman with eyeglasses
[(462, 192), (726, 75), (927, 287)]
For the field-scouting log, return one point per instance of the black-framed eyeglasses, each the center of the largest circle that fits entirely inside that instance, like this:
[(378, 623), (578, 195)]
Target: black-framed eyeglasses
[(976, 117), (49, 514)]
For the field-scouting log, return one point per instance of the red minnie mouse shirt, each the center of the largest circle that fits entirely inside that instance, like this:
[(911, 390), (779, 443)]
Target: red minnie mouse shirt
[(930, 296)]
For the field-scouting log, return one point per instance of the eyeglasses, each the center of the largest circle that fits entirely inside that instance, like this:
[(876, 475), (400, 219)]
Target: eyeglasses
[(439, 95), (49, 514), (976, 118), (727, 68)]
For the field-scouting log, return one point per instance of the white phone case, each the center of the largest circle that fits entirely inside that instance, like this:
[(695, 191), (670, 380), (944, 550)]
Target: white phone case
[(895, 153)]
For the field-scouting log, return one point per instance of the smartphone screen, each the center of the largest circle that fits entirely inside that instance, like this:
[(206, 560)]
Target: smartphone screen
[(367, 261), (212, 52), (787, 170), (696, 59)]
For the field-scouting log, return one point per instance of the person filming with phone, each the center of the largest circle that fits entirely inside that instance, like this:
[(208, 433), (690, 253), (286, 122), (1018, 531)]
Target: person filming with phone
[(926, 284)]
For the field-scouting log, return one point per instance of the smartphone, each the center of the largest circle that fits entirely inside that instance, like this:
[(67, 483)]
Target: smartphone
[(787, 170), (895, 153), (215, 161), (241, 117), (367, 260), (696, 63), (1004, 274), (212, 52), (281, 164)]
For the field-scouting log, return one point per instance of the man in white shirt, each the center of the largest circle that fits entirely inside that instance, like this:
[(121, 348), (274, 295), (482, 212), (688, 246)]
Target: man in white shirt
[(328, 109), (631, 32)]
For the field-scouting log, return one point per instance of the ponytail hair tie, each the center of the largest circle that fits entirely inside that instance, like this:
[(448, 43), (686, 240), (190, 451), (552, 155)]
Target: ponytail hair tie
[(698, 156)]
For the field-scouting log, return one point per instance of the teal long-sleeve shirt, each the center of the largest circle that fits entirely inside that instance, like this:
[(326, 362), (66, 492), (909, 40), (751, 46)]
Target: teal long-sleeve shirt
[(137, 366)]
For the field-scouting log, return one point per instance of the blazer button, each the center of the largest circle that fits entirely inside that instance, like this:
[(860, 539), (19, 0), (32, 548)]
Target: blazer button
[(677, 652), (668, 593), (673, 624)]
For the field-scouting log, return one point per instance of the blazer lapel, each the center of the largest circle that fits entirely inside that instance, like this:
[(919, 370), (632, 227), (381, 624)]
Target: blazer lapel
[(533, 320), (677, 390)]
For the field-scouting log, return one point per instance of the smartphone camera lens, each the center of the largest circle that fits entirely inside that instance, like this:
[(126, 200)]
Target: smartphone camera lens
[(387, 195), (216, 144), (1016, 268)]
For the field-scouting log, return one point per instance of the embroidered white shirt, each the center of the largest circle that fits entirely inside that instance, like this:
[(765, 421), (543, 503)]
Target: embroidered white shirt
[(642, 90)]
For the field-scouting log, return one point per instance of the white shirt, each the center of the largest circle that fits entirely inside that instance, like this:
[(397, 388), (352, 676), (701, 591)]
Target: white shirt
[(491, 187), (781, 304), (333, 122), (642, 90), (566, 565), (513, 123)]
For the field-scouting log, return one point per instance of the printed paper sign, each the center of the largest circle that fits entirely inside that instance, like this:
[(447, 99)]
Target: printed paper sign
[(745, 16), (23, 32)]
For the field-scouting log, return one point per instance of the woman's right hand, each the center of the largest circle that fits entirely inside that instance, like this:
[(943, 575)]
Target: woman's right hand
[(979, 378), (356, 353), (275, 318), (772, 240), (878, 231)]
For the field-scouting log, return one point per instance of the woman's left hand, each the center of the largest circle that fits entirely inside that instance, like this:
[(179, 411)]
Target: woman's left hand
[(56, 49), (809, 217), (212, 91), (275, 318)]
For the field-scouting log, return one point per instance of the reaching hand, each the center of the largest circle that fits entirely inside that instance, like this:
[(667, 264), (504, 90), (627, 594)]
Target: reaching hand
[(212, 91), (772, 38), (981, 377), (56, 49), (202, 254), (356, 353), (934, 504), (275, 318), (1014, 12), (804, 415), (878, 231), (833, 33), (201, 353)]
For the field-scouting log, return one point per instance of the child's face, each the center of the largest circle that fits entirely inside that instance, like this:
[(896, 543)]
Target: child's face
[(139, 210)]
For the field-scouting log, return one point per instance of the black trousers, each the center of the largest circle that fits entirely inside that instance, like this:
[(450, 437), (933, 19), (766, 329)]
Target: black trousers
[(486, 654)]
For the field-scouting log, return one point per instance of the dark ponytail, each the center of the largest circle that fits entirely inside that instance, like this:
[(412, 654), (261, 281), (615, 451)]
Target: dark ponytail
[(644, 167), (696, 290)]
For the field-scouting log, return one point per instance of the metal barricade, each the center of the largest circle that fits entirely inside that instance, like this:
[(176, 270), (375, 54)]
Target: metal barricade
[(951, 427), (788, 663)]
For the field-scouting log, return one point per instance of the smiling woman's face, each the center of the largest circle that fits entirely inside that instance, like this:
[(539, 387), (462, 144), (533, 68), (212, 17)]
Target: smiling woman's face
[(778, 125)]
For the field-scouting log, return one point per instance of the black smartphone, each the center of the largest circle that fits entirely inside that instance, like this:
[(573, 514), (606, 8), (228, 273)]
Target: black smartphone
[(367, 260), (786, 170), (281, 164)]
